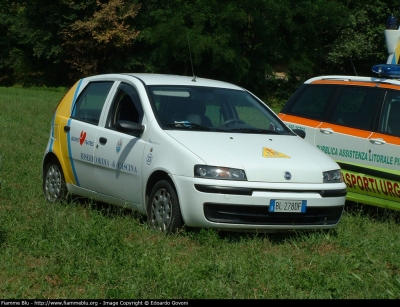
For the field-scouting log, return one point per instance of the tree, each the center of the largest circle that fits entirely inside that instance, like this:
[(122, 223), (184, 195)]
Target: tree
[(7, 13), (36, 54), (239, 41), (37, 31), (53, 42), (361, 40), (102, 41)]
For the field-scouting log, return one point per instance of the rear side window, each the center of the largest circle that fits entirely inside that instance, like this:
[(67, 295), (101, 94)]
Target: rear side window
[(356, 107), (312, 101), (90, 102)]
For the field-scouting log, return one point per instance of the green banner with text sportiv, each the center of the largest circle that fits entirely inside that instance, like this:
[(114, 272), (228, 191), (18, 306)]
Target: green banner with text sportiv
[(372, 185)]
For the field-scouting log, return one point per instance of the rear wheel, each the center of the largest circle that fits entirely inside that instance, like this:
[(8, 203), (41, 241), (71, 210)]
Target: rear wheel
[(54, 187), (164, 213)]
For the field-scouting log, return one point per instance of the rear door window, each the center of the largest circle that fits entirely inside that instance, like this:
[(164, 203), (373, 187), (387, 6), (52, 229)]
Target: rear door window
[(313, 101), (357, 107)]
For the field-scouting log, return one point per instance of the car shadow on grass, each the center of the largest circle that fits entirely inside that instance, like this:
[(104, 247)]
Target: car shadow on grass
[(201, 234), (107, 210), (276, 238), (372, 212)]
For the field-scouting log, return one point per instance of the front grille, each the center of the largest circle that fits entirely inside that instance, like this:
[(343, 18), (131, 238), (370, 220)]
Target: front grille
[(260, 215), (249, 191)]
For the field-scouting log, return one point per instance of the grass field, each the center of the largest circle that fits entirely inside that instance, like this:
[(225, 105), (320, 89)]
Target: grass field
[(85, 250)]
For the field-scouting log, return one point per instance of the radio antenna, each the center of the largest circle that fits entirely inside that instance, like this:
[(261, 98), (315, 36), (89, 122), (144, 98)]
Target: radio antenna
[(190, 54), (353, 66)]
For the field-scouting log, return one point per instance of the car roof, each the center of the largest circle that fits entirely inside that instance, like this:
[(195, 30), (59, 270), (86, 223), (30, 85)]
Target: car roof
[(165, 79), (349, 79)]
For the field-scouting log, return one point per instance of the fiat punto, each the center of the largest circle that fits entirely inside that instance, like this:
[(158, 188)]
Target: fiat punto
[(187, 151)]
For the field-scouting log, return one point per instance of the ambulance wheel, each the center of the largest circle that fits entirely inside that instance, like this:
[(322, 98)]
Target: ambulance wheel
[(164, 213), (54, 187)]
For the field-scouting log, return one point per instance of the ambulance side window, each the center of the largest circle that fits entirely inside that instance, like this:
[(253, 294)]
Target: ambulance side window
[(313, 101), (357, 107), (390, 121)]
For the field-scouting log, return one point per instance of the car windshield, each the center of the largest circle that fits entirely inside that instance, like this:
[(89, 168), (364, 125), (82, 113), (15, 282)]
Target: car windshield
[(213, 109)]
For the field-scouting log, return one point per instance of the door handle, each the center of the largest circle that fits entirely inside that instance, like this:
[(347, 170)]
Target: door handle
[(102, 140), (326, 130), (377, 141), (67, 128)]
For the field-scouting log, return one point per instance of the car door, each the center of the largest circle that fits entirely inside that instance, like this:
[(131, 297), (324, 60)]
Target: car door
[(383, 175), (344, 136), (82, 129), (118, 155)]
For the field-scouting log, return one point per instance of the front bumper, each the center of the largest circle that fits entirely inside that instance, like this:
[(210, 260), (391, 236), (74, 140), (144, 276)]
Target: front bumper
[(244, 206)]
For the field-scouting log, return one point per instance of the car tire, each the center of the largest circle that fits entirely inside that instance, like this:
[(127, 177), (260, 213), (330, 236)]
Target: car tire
[(164, 213), (54, 187)]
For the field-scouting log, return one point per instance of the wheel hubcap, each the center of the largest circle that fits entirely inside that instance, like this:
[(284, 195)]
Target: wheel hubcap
[(161, 210), (53, 183)]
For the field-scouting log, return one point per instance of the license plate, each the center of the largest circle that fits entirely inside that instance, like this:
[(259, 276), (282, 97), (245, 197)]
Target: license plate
[(285, 205)]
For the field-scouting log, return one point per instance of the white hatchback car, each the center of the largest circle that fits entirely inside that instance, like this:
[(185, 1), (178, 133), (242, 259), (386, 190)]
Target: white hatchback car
[(188, 151)]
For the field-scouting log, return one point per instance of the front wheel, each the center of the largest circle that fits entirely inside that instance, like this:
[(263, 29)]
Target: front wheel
[(164, 213), (54, 187)]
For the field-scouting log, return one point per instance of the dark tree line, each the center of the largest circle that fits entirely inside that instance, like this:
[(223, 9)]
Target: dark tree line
[(55, 42)]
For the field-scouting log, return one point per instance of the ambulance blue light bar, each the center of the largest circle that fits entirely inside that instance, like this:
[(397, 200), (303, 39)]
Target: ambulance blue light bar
[(387, 70)]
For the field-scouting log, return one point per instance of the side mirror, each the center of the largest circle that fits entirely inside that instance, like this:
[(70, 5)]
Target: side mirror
[(129, 127), (300, 133)]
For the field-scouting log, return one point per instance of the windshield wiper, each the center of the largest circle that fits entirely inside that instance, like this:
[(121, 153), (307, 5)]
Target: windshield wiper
[(256, 130), (186, 124)]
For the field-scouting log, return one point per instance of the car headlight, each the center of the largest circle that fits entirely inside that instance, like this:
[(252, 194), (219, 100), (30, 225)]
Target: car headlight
[(334, 176), (218, 172)]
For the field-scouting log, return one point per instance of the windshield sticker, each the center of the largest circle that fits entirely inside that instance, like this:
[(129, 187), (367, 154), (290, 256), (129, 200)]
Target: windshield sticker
[(184, 123), (360, 155), (291, 126), (270, 153)]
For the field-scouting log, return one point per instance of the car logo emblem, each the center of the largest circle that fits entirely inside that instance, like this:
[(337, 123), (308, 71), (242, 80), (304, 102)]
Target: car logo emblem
[(82, 137), (287, 175), (149, 158), (119, 145)]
